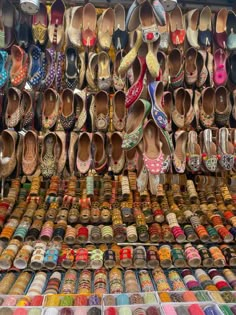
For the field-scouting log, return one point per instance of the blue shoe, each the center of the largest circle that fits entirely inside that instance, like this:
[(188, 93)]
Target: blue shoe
[(132, 19), (155, 90), (35, 68), (3, 71), (159, 12)]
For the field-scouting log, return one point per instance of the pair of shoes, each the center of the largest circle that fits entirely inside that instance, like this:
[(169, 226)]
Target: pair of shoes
[(199, 27), (98, 73), (183, 113), (80, 152)]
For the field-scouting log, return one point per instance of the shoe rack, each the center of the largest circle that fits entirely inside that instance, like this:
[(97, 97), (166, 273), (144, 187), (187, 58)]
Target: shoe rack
[(145, 224)]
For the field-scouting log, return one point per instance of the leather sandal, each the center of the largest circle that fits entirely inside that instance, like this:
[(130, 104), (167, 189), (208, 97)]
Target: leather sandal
[(51, 105), (191, 71), (134, 124), (209, 153)]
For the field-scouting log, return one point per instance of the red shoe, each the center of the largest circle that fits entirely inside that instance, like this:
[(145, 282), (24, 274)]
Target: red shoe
[(134, 92)]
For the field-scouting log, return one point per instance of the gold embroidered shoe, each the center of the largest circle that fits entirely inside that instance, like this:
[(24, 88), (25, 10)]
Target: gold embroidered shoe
[(207, 108), (106, 23), (40, 25), (56, 23), (14, 110), (101, 110), (48, 156)]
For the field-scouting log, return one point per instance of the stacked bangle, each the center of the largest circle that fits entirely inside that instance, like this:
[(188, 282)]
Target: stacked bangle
[(69, 282), (131, 232), (176, 281), (100, 281), (37, 258), (218, 257), (9, 253), (145, 281), (115, 281), (81, 258), (109, 259), (9, 229), (189, 280), (192, 255), (7, 282), (131, 282), (155, 233), (139, 257), (53, 283), (47, 231), (96, 259), (152, 257), (126, 256), (178, 256), (21, 284), (34, 230), (165, 256), (37, 285), (23, 256), (59, 231), (51, 257), (85, 285), (107, 234), (70, 235)]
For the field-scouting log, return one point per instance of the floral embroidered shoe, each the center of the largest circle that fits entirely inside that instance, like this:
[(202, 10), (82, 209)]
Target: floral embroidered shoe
[(3, 71), (201, 68), (61, 152), (14, 110), (40, 25), (80, 109), (209, 154), (128, 59), (205, 27), (152, 148), (207, 107), (176, 68), (177, 31), (120, 35), (194, 155), (119, 110), (220, 34), (148, 23), (28, 110), (100, 156), (191, 73), (118, 80), (67, 115), (134, 124), (84, 157), (179, 111), (106, 24), (56, 23), (51, 105), (35, 66), (8, 158), (156, 90), (223, 106), (89, 25), (101, 101), (48, 163), (74, 28), (92, 69), (225, 150), (104, 71), (117, 161), (220, 74), (30, 153), (179, 155), (19, 68), (135, 91), (192, 18)]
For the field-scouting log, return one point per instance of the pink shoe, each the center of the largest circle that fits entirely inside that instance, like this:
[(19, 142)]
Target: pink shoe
[(152, 148), (134, 92), (220, 75)]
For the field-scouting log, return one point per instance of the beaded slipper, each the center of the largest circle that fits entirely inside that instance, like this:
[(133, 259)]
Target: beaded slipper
[(3, 71), (19, 69)]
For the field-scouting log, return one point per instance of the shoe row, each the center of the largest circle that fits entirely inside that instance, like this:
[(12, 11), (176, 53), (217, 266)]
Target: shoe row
[(150, 151)]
